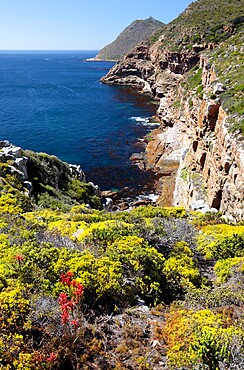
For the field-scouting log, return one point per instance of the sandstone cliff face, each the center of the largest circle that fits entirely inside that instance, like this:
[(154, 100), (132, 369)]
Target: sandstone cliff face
[(198, 161), (211, 171)]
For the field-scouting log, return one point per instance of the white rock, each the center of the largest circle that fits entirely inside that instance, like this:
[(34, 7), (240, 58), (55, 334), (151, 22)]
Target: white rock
[(219, 88)]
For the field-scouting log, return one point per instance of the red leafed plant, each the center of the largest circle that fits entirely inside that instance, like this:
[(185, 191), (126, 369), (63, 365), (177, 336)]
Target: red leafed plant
[(68, 301)]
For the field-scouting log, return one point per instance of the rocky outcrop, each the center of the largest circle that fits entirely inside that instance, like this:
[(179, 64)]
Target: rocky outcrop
[(199, 163), (197, 152), (39, 175), (211, 173), (15, 163), (150, 70)]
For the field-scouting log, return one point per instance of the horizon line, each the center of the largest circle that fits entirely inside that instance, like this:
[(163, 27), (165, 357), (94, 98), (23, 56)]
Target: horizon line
[(49, 50)]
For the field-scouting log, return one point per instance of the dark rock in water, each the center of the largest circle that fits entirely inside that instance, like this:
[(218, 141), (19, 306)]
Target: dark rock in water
[(137, 157), (122, 206), (110, 194), (139, 160), (142, 202)]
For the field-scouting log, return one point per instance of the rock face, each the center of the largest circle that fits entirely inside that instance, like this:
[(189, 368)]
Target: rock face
[(51, 171), (136, 32), (14, 159), (211, 169), (39, 175), (197, 153)]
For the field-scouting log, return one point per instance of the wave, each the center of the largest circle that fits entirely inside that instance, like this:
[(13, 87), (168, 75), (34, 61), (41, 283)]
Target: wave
[(140, 119), (65, 88), (144, 121)]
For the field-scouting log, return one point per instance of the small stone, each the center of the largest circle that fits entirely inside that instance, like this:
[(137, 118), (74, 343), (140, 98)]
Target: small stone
[(143, 202), (107, 204), (219, 88), (28, 185)]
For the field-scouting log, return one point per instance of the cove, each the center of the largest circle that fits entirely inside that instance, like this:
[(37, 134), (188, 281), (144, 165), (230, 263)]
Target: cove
[(54, 102)]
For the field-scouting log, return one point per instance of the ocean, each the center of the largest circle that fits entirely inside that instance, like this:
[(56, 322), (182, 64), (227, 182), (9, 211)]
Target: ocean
[(54, 102)]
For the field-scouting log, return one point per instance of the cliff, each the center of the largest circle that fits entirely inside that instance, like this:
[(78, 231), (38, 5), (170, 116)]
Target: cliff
[(42, 180), (136, 32), (195, 72), (149, 288)]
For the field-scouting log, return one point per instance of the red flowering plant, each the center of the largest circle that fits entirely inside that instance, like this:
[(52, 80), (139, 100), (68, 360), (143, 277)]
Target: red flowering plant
[(19, 260), (52, 357), (69, 300), (51, 360)]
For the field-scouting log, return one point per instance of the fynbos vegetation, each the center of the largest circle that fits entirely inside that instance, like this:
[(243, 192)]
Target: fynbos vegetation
[(87, 289)]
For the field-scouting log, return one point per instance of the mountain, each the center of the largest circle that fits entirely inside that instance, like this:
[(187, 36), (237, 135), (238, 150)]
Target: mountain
[(136, 32), (194, 68)]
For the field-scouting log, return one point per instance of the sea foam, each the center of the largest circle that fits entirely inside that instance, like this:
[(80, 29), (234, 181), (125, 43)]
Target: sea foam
[(144, 121)]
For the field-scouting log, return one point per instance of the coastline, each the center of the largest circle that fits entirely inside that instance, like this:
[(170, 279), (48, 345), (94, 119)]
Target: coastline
[(131, 195), (101, 60)]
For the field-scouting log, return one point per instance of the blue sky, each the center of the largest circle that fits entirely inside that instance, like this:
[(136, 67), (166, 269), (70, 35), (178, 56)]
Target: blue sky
[(75, 24)]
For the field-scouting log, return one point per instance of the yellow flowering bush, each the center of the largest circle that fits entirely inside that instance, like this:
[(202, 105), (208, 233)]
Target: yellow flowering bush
[(212, 235), (198, 337), (9, 204), (225, 268), (179, 268), (14, 304)]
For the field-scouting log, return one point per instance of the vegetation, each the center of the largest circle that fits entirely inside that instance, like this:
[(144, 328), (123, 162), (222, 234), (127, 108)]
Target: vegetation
[(229, 62), (81, 288), (219, 26), (131, 36), (54, 184), (146, 289), (203, 21)]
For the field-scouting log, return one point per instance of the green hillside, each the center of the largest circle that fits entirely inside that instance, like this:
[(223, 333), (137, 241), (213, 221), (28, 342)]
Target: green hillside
[(203, 21), (137, 31)]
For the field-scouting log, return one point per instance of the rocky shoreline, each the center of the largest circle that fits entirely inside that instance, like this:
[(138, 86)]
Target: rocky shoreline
[(198, 161), (18, 163)]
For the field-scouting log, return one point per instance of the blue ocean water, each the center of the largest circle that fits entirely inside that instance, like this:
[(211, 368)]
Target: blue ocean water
[(55, 103)]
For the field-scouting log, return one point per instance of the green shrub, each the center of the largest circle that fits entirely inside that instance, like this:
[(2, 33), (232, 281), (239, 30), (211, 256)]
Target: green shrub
[(229, 247), (142, 266), (151, 212), (194, 78), (226, 268), (212, 241), (180, 269)]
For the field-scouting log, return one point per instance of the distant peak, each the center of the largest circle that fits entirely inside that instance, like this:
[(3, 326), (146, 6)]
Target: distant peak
[(138, 31)]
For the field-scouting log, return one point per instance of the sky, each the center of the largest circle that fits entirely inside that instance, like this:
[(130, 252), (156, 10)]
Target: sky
[(75, 24)]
